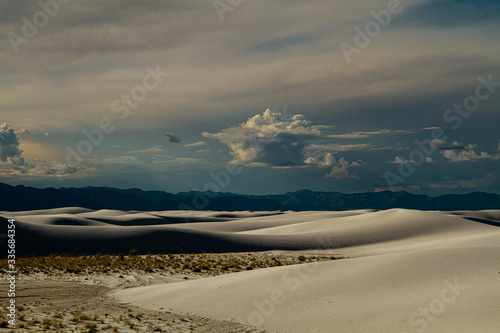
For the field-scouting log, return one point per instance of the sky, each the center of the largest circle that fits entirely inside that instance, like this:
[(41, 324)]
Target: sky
[(251, 97)]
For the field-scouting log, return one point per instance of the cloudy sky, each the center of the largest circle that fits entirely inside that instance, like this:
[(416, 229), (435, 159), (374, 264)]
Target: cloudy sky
[(343, 95)]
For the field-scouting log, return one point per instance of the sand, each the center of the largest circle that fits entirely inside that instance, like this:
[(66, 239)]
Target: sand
[(407, 270)]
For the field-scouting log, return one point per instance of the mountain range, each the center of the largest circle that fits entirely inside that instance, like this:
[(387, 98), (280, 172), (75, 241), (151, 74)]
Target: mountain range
[(16, 198)]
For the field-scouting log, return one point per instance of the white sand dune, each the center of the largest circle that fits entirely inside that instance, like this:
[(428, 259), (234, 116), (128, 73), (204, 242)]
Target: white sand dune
[(408, 270)]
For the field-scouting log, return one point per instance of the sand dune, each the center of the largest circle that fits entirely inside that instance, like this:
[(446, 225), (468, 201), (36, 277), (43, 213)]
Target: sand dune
[(81, 231), (408, 271)]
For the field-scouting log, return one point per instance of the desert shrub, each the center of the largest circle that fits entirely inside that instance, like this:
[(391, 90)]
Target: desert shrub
[(91, 327)]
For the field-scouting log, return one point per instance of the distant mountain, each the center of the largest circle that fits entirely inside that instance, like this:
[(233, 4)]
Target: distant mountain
[(15, 198), (20, 197)]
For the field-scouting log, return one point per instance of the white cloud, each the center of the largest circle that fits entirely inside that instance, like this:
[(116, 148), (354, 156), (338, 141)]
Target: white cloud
[(360, 135), (271, 138), (467, 156), (340, 171), (195, 144), (441, 144), (459, 152), (184, 160), (397, 160), (41, 168), (281, 140), (23, 131), (325, 160), (147, 150), (16, 165), (120, 160), (335, 147)]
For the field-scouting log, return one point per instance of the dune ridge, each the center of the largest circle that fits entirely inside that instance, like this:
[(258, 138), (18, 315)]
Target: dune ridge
[(83, 231)]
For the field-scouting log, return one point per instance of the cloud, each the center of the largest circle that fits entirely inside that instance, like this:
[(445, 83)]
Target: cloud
[(147, 150), (398, 160), (340, 171), (171, 137), (441, 144), (354, 135), (282, 140), (195, 144), (467, 156), (184, 160), (23, 131), (335, 147), (271, 138), (40, 168), (9, 146), (16, 164), (360, 135), (325, 160)]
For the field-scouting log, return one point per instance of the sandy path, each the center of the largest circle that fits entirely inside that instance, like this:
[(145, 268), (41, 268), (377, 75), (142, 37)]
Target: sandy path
[(60, 306)]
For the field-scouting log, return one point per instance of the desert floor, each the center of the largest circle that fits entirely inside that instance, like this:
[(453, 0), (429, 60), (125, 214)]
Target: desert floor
[(51, 296)]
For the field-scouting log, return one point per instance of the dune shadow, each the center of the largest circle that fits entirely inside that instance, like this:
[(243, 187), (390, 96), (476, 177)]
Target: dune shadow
[(236, 215), (155, 221), (485, 221)]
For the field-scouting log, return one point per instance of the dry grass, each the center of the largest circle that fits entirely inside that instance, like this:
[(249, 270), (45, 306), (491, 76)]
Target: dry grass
[(31, 317), (202, 264)]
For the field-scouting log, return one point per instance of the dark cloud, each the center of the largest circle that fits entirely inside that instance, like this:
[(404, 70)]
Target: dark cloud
[(9, 145), (171, 137), (23, 131), (441, 144)]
